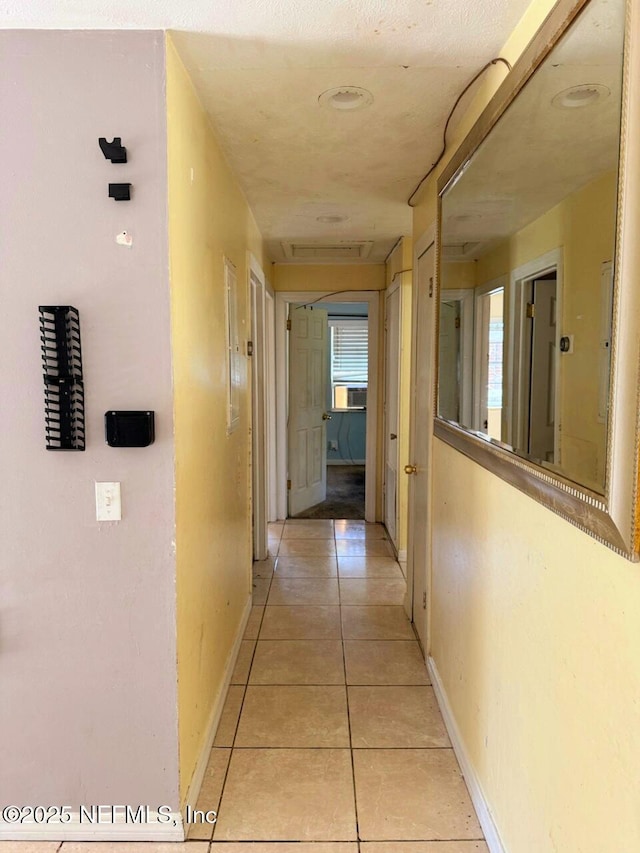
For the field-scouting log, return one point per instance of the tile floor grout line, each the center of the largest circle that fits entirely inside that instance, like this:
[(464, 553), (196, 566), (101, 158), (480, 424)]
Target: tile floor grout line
[(235, 731), (245, 687), (275, 842), (332, 639), (330, 684), (343, 748), (325, 603), (222, 787), (346, 689), (358, 842)]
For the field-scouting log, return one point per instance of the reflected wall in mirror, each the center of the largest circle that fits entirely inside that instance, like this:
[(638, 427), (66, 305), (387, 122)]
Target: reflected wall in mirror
[(528, 232)]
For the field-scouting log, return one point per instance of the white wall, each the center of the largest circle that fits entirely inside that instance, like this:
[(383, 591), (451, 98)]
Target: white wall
[(87, 620)]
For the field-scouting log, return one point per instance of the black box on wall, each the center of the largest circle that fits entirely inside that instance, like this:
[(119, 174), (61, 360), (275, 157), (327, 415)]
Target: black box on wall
[(129, 429)]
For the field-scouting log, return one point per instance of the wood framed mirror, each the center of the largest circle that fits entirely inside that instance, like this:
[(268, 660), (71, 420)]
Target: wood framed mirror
[(537, 274)]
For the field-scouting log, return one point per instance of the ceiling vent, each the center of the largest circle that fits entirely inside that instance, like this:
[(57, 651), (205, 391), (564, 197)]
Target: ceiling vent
[(351, 251)]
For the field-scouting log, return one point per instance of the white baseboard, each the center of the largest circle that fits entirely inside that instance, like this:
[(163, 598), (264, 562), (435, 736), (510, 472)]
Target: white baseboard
[(216, 712), (491, 834), (102, 825), (346, 462), (402, 559)]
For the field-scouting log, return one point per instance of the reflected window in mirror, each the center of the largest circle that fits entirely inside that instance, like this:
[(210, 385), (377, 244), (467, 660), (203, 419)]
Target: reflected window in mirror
[(489, 360), (528, 228)]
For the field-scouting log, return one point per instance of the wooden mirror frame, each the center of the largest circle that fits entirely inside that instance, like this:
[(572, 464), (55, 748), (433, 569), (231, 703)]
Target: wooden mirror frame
[(611, 518)]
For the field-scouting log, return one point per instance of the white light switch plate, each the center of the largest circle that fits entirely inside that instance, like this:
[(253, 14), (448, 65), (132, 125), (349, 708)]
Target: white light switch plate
[(108, 504)]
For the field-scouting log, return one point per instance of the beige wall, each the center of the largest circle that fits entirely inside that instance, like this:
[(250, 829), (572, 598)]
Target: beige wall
[(458, 276), (208, 220), (534, 632), (329, 277), (87, 613)]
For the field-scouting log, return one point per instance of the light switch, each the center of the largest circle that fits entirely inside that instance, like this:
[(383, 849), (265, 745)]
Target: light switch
[(108, 504)]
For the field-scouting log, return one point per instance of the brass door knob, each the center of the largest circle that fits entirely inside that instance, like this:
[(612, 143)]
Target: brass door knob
[(326, 417), (410, 469)]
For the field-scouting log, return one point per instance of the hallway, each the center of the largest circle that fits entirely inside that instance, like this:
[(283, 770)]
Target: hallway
[(331, 732), (330, 740)]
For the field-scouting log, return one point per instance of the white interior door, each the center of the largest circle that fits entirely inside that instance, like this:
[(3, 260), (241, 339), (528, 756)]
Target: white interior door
[(307, 433), (422, 414), (391, 396), (258, 419)]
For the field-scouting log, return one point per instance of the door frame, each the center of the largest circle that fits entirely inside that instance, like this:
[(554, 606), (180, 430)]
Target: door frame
[(283, 301), (395, 377), (519, 279), (259, 407), (465, 296), (422, 245)]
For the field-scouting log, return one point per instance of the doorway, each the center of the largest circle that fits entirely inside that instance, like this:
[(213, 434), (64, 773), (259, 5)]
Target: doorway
[(455, 355), (338, 490), (540, 361), (534, 348), (345, 451)]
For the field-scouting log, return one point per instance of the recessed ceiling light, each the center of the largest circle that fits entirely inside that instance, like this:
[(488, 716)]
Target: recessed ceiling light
[(346, 98), (331, 220), (580, 96)]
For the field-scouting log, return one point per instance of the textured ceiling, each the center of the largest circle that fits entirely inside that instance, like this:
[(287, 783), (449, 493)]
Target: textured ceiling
[(508, 184), (260, 65)]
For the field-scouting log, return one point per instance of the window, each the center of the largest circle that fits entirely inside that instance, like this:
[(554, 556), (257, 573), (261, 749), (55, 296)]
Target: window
[(489, 359), (349, 363), (494, 379)]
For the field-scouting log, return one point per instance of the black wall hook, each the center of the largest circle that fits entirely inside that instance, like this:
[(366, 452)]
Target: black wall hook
[(114, 151), (120, 192)]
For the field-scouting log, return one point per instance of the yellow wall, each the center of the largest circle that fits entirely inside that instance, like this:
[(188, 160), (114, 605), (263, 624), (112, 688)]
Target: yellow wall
[(583, 226), (458, 275), (329, 277), (402, 259), (534, 631), (208, 220)]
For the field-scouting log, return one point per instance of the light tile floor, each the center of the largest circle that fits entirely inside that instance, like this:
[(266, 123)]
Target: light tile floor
[(338, 744), (331, 740)]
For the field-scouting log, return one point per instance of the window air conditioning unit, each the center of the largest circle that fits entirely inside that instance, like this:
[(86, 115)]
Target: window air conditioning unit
[(357, 398)]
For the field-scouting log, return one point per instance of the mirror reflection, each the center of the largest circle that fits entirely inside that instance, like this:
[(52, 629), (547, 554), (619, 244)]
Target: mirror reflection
[(527, 248)]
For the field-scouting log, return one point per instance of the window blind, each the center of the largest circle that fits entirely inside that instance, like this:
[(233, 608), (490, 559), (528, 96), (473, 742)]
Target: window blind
[(349, 351)]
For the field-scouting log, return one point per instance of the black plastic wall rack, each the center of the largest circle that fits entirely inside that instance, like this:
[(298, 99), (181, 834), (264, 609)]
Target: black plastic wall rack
[(63, 383)]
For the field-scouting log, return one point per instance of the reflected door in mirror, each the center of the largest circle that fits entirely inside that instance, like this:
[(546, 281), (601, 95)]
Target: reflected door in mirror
[(535, 206)]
